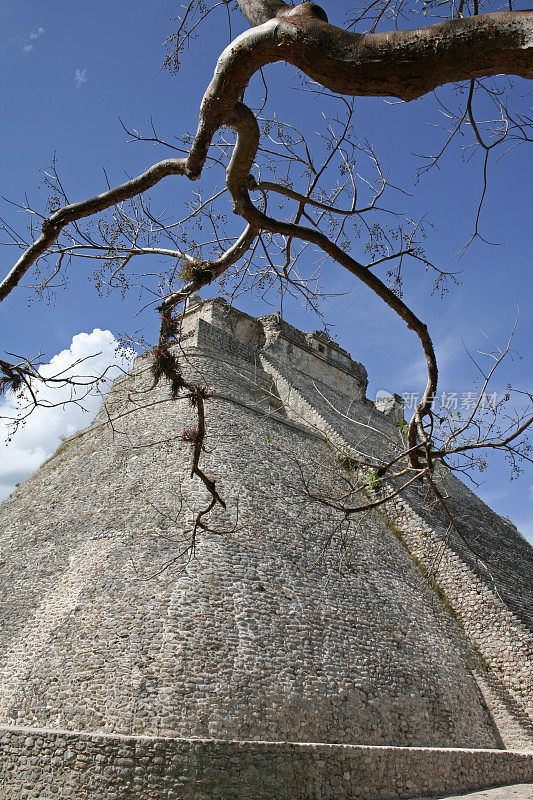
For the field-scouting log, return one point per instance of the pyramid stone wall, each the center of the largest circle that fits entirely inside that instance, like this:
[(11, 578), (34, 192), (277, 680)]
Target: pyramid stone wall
[(283, 625), (62, 765), (485, 573)]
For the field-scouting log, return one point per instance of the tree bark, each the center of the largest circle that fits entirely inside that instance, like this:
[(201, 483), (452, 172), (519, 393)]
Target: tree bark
[(409, 64)]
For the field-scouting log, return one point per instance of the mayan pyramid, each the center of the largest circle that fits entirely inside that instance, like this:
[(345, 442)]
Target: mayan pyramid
[(292, 654)]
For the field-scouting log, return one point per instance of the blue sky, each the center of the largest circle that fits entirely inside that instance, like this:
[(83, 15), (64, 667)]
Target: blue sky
[(71, 69)]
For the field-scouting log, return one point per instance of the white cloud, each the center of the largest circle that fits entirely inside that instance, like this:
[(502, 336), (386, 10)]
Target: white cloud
[(28, 42), (80, 77), (42, 432)]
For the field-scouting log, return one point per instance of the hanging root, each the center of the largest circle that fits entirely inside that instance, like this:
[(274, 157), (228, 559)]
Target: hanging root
[(165, 363)]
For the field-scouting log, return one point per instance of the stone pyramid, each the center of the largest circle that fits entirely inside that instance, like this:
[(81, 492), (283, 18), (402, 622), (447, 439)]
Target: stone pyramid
[(291, 653)]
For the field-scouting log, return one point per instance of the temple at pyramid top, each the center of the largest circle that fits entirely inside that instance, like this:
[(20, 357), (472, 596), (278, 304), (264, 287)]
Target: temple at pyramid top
[(315, 353)]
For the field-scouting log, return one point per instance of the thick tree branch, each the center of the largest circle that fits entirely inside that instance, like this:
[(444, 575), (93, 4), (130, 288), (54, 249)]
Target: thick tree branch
[(403, 64)]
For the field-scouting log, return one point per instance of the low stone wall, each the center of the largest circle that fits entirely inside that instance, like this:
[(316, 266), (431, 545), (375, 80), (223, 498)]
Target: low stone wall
[(46, 764)]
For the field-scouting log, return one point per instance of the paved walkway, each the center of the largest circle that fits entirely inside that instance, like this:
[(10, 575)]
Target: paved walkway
[(518, 791)]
